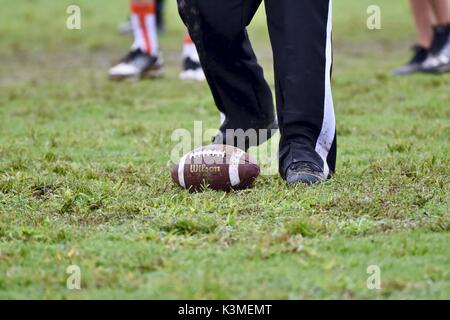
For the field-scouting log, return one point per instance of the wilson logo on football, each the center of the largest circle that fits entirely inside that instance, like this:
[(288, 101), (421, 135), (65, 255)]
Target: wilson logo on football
[(203, 169)]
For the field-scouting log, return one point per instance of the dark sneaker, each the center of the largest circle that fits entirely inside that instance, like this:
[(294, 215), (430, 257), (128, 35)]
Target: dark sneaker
[(415, 64), (304, 173), (137, 65), (245, 139), (192, 71), (439, 58)]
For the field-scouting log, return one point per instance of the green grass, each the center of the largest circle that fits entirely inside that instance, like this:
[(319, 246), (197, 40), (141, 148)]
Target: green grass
[(84, 180)]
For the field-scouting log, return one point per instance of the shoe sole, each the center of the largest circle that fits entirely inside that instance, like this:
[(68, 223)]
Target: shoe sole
[(150, 74), (438, 70), (444, 68), (305, 182), (192, 76), (408, 73)]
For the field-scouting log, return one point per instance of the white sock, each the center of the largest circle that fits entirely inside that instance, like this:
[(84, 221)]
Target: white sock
[(189, 49), (143, 19)]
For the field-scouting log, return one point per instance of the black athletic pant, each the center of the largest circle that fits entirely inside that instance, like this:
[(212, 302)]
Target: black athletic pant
[(300, 32), (160, 14)]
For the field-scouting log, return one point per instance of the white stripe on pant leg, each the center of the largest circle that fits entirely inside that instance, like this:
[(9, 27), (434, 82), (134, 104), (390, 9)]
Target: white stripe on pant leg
[(222, 118), (328, 131)]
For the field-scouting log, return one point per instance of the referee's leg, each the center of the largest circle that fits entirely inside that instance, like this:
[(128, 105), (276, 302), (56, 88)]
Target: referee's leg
[(218, 28), (300, 32)]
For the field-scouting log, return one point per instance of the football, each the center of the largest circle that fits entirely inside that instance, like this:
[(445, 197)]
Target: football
[(217, 167)]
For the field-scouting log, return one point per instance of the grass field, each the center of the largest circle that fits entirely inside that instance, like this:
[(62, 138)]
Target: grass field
[(84, 178)]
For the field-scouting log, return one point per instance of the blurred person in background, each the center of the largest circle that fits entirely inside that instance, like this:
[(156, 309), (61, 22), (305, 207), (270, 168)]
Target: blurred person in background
[(145, 59), (432, 50)]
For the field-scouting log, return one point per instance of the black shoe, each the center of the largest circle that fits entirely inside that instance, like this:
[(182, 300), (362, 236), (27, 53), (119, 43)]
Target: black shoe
[(245, 139), (192, 70), (439, 58), (415, 64), (137, 64), (304, 173)]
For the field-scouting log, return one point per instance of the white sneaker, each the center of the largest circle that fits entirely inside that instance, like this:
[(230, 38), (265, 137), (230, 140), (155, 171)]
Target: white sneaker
[(192, 71), (136, 65), (439, 58)]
